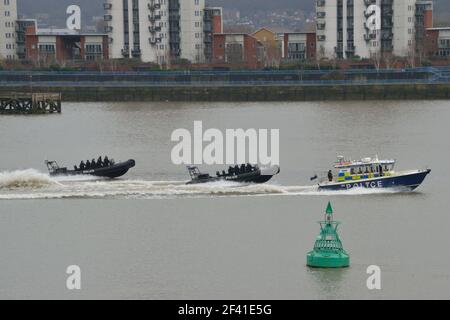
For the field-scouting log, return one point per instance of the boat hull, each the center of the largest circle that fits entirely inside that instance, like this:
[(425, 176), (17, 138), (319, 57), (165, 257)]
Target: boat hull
[(409, 181), (114, 171)]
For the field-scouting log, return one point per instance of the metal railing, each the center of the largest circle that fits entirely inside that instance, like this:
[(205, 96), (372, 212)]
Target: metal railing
[(226, 78)]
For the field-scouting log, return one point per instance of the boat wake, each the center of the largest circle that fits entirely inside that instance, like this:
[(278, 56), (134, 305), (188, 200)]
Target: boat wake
[(24, 179), (31, 184)]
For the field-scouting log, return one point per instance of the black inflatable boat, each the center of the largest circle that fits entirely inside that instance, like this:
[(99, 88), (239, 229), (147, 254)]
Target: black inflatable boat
[(242, 174), (112, 170)]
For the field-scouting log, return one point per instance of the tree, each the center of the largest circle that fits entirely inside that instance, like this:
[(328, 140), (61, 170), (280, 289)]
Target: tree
[(320, 55), (389, 60), (376, 57)]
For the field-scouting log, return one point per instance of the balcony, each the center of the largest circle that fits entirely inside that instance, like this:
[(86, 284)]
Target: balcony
[(154, 6), (107, 6), (136, 53), (350, 49), (107, 17), (154, 29), (370, 36), (370, 2), (387, 36), (108, 29), (320, 3), (154, 41), (125, 53), (321, 26), (321, 38), (154, 18), (321, 14), (387, 47)]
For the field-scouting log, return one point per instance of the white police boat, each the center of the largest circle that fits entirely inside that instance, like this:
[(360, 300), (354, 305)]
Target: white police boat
[(370, 173)]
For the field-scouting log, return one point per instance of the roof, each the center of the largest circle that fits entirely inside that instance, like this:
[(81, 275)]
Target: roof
[(438, 29), (363, 162), (235, 34), (264, 28), (65, 32), (303, 32)]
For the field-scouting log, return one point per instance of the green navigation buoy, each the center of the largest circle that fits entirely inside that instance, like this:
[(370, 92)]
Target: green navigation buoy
[(328, 251)]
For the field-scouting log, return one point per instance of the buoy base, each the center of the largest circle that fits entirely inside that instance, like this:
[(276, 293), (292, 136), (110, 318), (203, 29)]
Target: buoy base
[(327, 259)]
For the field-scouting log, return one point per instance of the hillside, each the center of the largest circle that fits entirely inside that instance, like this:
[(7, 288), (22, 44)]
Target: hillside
[(52, 14)]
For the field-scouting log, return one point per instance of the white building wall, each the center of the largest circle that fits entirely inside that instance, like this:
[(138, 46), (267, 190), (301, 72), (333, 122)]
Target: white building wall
[(8, 17), (362, 47), (191, 34), (326, 47), (191, 24), (403, 30), (154, 45), (404, 26), (116, 36)]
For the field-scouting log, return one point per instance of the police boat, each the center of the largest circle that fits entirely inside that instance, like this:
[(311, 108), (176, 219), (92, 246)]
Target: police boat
[(370, 173), (242, 174), (106, 169)]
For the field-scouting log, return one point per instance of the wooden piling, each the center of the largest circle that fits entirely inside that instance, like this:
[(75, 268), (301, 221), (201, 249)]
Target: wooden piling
[(30, 103)]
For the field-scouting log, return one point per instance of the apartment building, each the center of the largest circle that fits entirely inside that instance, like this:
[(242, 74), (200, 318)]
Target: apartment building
[(63, 45), (212, 24), (299, 46), (8, 17), (21, 28), (364, 28), (437, 43), (157, 31), (237, 50)]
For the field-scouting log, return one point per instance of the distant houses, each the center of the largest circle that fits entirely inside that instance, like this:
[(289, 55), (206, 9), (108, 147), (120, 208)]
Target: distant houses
[(168, 34)]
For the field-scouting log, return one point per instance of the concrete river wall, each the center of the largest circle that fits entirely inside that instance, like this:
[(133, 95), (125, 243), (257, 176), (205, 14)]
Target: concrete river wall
[(287, 85)]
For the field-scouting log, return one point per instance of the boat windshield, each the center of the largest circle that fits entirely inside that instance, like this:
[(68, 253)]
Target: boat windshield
[(363, 169), (194, 172), (52, 166)]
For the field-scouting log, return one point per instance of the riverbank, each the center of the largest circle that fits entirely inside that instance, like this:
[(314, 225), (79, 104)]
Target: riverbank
[(243, 93)]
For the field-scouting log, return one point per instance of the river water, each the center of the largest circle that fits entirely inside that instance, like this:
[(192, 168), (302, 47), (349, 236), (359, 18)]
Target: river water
[(149, 236)]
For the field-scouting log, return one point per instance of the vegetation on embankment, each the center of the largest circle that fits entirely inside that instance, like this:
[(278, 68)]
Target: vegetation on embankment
[(248, 93)]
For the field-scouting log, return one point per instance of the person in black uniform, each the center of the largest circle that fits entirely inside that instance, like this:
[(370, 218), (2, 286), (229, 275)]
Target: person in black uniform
[(236, 169), (82, 165), (330, 176), (88, 165), (106, 161), (93, 164), (249, 167), (100, 162)]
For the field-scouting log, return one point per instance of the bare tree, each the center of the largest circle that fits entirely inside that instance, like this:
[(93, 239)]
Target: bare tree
[(376, 58), (389, 60), (320, 56), (411, 54)]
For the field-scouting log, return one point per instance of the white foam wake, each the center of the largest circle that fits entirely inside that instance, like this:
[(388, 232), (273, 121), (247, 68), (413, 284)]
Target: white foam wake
[(30, 184), (28, 179)]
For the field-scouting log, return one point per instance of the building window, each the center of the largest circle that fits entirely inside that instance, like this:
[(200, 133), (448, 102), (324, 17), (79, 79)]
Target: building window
[(93, 51)]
